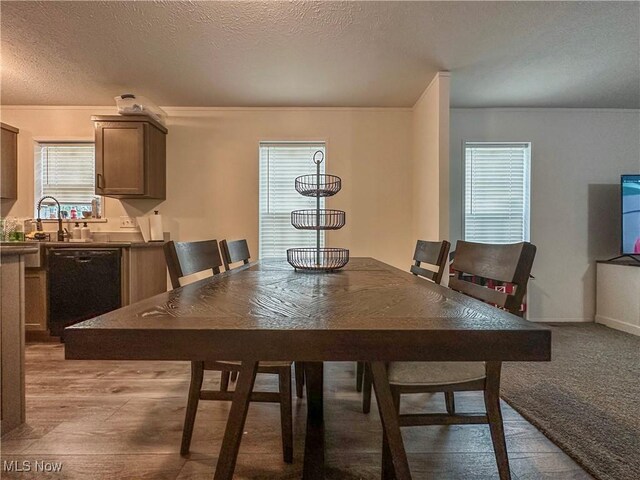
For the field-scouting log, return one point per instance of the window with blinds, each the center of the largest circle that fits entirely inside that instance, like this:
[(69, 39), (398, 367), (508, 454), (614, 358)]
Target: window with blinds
[(66, 171), (496, 193), (280, 164)]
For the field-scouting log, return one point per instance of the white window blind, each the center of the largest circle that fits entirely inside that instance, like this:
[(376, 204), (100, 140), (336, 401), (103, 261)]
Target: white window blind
[(66, 171), (496, 206), (280, 164)]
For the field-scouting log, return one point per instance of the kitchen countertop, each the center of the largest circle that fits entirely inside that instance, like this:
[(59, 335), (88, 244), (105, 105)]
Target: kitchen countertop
[(115, 244), (48, 244), (18, 250)]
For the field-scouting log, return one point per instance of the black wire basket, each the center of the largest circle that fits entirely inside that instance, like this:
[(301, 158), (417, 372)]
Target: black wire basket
[(322, 219), (318, 259), (319, 185)]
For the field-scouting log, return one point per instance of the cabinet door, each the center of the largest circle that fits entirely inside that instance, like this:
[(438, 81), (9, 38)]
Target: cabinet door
[(8, 164), (120, 158), (35, 286), (147, 273)]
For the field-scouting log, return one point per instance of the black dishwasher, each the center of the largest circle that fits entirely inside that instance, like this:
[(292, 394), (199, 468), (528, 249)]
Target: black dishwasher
[(82, 283)]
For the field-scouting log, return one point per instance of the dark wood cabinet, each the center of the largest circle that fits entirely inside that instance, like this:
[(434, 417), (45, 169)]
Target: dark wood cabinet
[(8, 162), (130, 157)]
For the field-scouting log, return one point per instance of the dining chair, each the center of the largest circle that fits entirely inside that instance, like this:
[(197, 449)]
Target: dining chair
[(478, 270), (234, 251), (238, 251), (187, 258), (435, 254)]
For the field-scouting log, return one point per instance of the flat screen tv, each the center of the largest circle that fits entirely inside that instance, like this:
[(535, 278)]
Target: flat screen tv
[(630, 190)]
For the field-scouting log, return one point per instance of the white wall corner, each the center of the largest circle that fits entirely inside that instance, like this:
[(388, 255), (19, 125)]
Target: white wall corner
[(434, 81), (430, 160)]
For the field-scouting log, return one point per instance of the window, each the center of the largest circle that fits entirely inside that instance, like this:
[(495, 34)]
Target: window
[(280, 164), (496, 193), (65, 171)]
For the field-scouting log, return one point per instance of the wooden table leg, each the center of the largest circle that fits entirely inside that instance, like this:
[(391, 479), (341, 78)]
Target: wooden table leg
[(235, 423), (314, 440), (390, 424)]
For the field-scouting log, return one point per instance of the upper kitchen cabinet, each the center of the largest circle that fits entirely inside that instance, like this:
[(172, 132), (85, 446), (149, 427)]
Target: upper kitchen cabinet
[(8, 162), (130, 157)]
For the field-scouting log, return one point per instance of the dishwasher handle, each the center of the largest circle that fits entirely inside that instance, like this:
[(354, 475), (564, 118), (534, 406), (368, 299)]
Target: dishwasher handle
[(83, 256), (74, 253)]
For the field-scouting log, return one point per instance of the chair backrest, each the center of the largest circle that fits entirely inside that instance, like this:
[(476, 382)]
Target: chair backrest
[(510, 263), (186, 258), (234, 251), (434, 253)]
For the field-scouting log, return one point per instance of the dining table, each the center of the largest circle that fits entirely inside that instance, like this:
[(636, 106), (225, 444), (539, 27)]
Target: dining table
[(267, 311)]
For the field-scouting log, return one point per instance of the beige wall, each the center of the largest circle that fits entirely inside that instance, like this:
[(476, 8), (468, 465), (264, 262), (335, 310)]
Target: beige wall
[(430, 161), (212, 170)]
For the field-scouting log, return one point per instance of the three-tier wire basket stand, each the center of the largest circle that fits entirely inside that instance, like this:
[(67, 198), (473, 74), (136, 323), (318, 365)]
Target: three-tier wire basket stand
[(318, 259)]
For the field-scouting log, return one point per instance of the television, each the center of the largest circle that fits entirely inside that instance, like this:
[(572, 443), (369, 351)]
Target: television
[(630, 195)]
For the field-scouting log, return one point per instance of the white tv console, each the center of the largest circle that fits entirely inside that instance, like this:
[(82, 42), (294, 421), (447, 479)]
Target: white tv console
[(618, 295)]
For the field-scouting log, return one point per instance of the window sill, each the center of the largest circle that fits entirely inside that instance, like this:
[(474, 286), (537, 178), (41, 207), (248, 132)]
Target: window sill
[(68, 220)]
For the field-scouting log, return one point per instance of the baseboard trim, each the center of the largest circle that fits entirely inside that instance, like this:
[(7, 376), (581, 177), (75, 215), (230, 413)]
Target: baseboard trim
[(561, 320), (39, 336), (618, 325)]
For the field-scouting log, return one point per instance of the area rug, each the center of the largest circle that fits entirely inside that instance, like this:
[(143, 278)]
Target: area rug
[(587, 399)]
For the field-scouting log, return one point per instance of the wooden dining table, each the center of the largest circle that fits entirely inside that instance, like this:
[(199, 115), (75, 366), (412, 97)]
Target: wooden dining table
[(266, 311)]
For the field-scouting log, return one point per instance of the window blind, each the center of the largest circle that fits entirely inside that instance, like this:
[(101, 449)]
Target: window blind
[(280, 164), (496, 206), (65, 171)]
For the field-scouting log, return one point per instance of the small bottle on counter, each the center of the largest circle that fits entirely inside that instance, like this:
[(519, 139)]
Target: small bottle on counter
[(76, 233), (85, 232)]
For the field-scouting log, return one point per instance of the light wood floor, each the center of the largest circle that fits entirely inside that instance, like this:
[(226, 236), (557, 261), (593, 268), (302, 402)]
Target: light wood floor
[(123, 420)]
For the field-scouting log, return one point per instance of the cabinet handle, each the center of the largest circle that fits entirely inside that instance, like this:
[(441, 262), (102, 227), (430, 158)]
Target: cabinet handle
[(99, 182)]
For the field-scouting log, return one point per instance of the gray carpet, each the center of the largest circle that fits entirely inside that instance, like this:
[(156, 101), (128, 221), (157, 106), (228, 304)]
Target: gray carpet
[(587, 399)]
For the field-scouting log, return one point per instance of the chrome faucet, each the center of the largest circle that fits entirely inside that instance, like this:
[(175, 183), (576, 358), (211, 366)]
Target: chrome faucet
[(39, 220)]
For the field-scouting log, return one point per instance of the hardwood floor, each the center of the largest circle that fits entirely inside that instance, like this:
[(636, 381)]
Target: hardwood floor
[(123, 420)]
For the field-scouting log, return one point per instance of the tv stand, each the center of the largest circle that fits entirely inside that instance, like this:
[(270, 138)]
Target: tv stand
[(617, 299), (626, 255)]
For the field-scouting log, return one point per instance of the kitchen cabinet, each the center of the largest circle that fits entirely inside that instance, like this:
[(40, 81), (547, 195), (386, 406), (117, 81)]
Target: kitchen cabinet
[(12, 319), (130, 156), (145, 273), (8, 162), (35, 286)]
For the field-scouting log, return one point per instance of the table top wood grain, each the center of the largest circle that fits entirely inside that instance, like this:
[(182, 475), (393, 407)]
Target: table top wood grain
[(267, 311)]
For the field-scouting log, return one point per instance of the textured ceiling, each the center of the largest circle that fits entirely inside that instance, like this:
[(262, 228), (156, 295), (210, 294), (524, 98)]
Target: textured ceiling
[(533, 54)]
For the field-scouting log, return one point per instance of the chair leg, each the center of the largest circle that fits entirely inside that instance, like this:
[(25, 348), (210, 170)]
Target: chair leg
[(397, 457), (224, 380), (299, 369), (359, 375), (366, 388), (234, 376), (494, 414), (286, 422), (451, 403), (197, 374), (388, 472)]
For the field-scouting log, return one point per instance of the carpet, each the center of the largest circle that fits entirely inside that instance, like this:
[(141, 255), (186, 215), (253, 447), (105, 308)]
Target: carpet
[(587, 399)]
